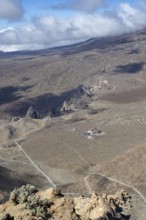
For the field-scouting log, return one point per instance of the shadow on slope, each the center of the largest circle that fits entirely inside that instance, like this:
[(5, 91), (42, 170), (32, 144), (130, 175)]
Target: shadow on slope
[(9, 179), (130, 68), (9, 94), (43, 103)]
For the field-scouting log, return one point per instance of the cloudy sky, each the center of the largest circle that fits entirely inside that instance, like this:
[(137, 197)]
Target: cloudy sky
[(36, 24)]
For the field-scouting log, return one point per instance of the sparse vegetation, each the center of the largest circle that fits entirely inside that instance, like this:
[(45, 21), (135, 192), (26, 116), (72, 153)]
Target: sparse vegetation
[(27, 195), (21, 195)]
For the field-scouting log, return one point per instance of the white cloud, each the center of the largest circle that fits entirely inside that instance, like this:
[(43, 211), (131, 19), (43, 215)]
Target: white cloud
[(11, 9), (81, 5), (132, 18), (49, 31)]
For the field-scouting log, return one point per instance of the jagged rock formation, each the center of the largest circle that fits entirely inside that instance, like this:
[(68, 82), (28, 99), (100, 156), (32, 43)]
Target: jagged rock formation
[(27, 203), (80, 99), (104, 84), (75, 103), (67, 106), (85, 91), (32, 113)]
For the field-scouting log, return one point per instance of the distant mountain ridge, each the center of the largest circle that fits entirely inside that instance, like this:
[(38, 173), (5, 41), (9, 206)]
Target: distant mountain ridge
[(92, 43)]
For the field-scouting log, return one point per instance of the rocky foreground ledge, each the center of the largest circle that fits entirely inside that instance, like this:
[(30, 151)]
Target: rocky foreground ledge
[(30, 204)]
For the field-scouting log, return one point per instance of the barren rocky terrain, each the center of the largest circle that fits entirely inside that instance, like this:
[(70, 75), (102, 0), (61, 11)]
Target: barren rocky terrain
[(90, 136)]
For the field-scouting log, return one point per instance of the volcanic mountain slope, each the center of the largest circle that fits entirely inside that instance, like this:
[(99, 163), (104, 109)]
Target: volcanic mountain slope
[(103, 83), (48, 77)]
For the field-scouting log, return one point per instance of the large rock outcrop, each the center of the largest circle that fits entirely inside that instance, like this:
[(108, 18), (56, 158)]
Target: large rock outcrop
[(32, 113), (29, 204)]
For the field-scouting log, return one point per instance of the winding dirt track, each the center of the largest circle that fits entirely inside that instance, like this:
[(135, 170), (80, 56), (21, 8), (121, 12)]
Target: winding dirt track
[(111, 179), (33, 163), (85, 178)]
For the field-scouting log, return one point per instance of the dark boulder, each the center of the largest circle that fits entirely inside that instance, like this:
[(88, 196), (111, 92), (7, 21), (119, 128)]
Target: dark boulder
[(8, 217)]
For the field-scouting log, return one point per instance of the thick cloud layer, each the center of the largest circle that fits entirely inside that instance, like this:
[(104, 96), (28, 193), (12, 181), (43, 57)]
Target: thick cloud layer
[(81, 5), (49, 31), (11, 9)]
